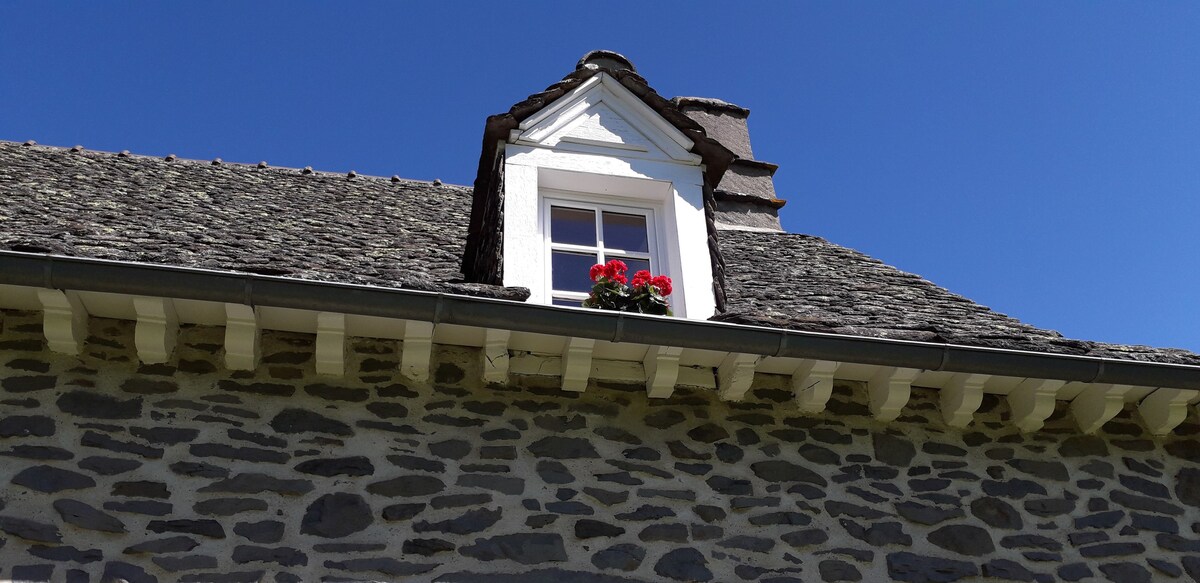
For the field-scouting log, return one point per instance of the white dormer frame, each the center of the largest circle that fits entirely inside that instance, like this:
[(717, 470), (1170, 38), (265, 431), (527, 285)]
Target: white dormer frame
[(602, 89), (638, 159)]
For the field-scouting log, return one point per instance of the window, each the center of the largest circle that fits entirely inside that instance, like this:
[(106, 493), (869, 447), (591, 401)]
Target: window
[(580, 235)]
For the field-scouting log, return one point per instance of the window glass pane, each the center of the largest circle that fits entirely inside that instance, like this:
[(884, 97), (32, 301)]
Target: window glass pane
[(569, 271), (625, 232), (568, 302), (574, 226), (635, 265)]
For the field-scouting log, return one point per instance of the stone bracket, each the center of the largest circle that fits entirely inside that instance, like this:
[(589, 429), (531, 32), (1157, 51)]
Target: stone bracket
[(889, 390), (577, 364), (416, 350), (156, 330), (64, 321), (961, 397), (1097, 404), (1032, 402), (812, 384), (495, 355), (735, 374), (331, 344), (1164, 409), (241, 337), (662, 370)]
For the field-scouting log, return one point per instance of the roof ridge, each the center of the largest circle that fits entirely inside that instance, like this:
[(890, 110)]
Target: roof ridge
[(173, 159)]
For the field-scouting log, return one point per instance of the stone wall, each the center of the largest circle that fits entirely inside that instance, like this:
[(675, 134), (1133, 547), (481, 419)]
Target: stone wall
[(190, 472)]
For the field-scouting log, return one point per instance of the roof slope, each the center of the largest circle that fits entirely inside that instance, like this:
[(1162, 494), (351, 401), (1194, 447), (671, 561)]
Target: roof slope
[(298, 223), (803, 282), (406, 234)]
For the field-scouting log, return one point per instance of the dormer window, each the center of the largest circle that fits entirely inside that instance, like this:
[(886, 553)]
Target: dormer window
[(580, 235), (597, 167), (598, 175)]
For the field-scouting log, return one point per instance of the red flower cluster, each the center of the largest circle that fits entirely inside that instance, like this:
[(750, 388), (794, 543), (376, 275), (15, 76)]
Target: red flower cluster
[(661, 283), (645, 294), (614, 270)]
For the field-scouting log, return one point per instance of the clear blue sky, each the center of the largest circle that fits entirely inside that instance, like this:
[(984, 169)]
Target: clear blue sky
[(1042, 158)]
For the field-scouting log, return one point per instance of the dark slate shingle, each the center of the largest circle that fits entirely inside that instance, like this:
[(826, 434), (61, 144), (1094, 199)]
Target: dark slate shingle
[(802, 282), (272, 221)]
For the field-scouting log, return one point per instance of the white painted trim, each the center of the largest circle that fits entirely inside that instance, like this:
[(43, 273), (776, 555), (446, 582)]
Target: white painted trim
[(241, 337), (331, 344), (889, 391), (960, 399), (812, 384), (676, 190), (1097, 404), (1032, 402), (556, 107), (416, 350), (64, 320), (156, 330), (735, 374), (603, 88), (1164, 409), (603, 144), (661, 364), (1159, 409), (495, 355), (577, 364)]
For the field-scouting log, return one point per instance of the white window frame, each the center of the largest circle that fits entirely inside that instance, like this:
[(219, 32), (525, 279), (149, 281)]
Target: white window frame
[(563, 199)]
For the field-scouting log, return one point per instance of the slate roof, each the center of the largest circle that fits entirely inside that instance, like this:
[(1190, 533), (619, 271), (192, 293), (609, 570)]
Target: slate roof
[(273, 221), (406, 234), (802, 282)]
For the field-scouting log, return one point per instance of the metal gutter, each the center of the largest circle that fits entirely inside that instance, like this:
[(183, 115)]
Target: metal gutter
[(98, 275)]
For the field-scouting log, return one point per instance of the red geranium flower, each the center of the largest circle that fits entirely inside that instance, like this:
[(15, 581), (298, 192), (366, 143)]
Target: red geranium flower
[(611, 290), (662, 283), (615, 268)]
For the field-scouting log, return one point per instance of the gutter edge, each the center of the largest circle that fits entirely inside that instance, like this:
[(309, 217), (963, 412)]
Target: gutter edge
[(100, 275)]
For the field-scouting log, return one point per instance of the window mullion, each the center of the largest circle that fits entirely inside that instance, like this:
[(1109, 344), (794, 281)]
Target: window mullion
[(600, 228), (635, 254), (573, 248)]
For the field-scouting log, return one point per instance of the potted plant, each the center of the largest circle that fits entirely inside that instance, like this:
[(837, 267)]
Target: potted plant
[(644, 294)]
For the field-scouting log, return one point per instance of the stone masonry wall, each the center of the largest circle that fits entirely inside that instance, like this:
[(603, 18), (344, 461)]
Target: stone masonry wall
[(113, 470)]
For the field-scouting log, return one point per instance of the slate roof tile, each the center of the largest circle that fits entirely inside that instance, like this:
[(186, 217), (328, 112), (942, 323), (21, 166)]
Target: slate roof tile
[(272, 221), (803, 282)]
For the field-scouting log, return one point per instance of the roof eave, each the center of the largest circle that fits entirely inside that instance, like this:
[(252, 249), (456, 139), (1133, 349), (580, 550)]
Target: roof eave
[(84, 274)]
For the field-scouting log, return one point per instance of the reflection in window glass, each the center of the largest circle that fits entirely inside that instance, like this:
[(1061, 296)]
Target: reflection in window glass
[(570, 271), (635, 265), (573, 226), (625, 232), (567, 302)]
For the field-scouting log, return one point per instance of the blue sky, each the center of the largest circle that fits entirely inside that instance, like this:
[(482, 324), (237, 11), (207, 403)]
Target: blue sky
[(1040, 158)]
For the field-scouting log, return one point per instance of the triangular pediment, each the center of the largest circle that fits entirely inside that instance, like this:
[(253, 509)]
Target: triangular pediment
[(601, 126), (603, 117)]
